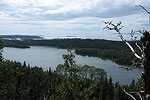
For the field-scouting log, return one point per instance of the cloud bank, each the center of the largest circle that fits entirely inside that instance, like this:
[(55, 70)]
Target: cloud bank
[(81, 18)]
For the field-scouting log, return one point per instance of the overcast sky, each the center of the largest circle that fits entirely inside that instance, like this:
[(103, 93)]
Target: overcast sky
[(80, 18)]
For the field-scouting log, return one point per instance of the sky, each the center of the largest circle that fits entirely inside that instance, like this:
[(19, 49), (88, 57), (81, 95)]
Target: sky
[(71, 18)]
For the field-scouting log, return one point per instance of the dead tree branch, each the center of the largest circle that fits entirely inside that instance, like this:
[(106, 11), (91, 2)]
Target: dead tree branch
[(146, 12), (133, 38), (129, 94), (137, 94), (127, 68), (117, 28)]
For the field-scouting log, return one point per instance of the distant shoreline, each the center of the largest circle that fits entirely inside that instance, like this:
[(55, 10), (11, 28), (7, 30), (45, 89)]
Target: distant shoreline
[(115, 51)]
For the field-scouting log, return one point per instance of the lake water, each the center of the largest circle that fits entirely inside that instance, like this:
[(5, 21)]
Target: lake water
[(46, 57)]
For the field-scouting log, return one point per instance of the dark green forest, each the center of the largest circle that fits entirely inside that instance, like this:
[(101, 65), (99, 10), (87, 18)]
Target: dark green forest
[(74, 43), (116, 51), (119, 56), (68, 82)]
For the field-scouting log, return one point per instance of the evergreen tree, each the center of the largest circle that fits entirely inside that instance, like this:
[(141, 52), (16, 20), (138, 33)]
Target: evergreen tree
[(111, 89), (132, 85)]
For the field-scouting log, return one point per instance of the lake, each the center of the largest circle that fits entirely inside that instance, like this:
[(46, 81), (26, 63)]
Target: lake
[(46, 57)]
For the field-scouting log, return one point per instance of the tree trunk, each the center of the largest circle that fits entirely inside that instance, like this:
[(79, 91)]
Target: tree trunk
[(146, 64)]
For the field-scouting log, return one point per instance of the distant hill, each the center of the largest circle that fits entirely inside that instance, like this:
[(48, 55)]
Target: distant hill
[(20, 37)]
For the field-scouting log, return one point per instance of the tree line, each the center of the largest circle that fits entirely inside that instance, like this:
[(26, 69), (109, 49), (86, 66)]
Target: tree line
[(65, 43), (119, 56)]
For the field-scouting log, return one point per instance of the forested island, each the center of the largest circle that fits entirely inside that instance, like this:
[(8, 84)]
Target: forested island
[(116, 51)]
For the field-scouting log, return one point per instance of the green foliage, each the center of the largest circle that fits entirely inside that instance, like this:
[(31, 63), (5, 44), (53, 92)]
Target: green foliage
[(111, 89), (69, 82), (20, 82), (15, 43), (86, 83), (79, 82)]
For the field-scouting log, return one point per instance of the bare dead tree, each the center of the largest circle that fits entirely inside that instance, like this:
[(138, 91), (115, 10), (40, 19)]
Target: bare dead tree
[(146, 64), (144, 57), (117, 28)]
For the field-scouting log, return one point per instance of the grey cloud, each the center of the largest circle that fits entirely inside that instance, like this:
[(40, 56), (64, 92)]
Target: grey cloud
[(110, 13), (96, 11)]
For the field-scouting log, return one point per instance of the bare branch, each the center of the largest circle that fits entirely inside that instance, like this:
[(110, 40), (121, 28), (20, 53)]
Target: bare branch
[(127, 68), (133, 38), (137, 94), (129, 94), (134, 66), (146, 12), (117, 28), (144, 9), (138, 46)]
